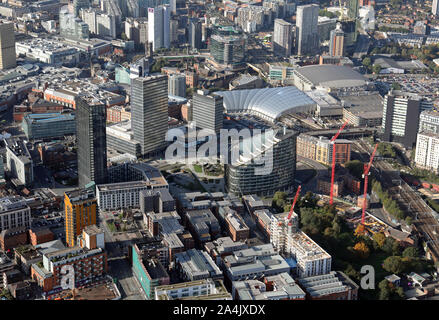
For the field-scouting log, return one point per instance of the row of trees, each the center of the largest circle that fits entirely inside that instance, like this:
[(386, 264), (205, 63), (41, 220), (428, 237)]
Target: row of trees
[(371, 68), (386, 150), (389, 204), (426, 53)]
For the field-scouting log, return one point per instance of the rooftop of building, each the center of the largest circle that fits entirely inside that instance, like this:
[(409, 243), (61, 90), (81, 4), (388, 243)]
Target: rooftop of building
[(79, 195), (122, 186), (306, 247), (38, 118), (12, 203), (197, 262), (154, 268), (19, 148), (283, 285), (331, 76), (271, 103), (367, 104), (322, 285)]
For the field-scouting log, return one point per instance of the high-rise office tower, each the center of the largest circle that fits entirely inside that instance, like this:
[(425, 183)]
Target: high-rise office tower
[(78, 5), (91, 138), (80, 209), (307, 36), (173, 5), (177, 85), (149, 112), (353, 8), (72, 27), (435, 7), (194, 32), (401, 116), (7, 46), (336, 42), (207, 111), (282, 37), (158, 26), (173, 31)]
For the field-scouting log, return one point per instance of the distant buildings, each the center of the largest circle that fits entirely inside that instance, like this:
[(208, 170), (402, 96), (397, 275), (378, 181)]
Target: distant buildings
[(7, 46), (435, 7), (100, 23), (282, 37), (177, 85), (401, 116), (336, 42), (194, 32), (228, 47), (427, 142), (91, 141), (48, 51), (307, 39), (80, 210), (71, 26), (158, 27), (332, 78)]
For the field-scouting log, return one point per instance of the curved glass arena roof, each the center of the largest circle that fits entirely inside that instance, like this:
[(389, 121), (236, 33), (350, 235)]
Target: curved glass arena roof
[(267, 103)]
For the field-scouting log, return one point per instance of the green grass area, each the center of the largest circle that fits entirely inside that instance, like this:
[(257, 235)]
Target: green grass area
[(198, 168), (111, 226)]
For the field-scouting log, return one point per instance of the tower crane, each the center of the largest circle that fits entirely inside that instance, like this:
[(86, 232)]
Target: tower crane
[(331, 201), (366, 173)]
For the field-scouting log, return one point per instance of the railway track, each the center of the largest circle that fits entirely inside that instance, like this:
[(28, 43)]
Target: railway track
[(408, 200)]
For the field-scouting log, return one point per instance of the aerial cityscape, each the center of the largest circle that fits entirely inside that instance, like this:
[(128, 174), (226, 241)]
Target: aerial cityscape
[(219, 150)]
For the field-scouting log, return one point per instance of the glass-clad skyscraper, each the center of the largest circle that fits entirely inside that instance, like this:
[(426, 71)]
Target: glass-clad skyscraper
[(91, 139), (228, 46), (242, 178)]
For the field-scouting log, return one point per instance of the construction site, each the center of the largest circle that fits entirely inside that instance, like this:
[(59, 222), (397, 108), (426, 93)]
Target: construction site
[(103, 290)]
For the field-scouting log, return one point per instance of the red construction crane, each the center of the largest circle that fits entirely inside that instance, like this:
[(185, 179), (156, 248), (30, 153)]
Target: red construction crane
[(331, 201), (294, 203), (292, 207), (365, 176)]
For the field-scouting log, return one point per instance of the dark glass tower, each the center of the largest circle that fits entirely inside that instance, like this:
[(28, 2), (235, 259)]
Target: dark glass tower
[(91, 138), (194, 32)]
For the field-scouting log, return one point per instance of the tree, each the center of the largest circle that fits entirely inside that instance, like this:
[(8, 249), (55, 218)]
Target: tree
[(384, 290), (367, 62), (376, 68), (411, 252), (379, 238), (355, 168), (396, 86), (362, 250), (393, 264)]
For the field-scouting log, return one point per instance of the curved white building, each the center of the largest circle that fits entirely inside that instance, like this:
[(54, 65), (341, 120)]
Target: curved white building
[(267, 103)]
